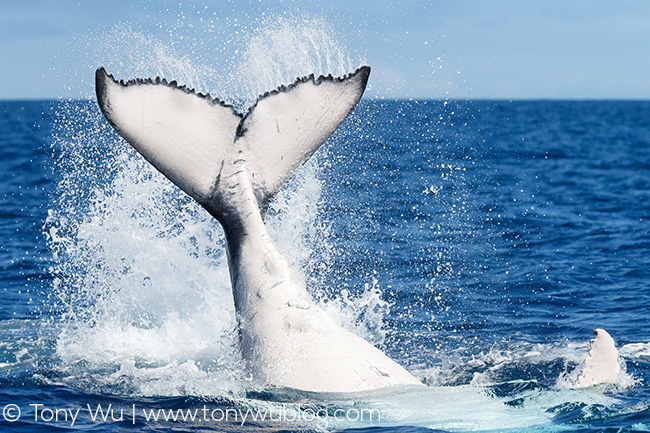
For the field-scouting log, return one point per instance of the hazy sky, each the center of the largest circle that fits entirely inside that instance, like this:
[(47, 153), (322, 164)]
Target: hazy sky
[(513, 49)]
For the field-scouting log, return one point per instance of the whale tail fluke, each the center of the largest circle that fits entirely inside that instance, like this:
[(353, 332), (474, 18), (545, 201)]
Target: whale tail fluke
[(195, 139)]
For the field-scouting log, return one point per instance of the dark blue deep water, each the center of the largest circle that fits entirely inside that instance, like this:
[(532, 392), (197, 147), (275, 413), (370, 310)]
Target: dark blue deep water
[(489, 238)]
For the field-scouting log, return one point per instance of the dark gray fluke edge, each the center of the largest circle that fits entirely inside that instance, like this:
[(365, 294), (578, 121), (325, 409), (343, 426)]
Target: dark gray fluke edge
[(364, 71), (101, 76), (100, 88)]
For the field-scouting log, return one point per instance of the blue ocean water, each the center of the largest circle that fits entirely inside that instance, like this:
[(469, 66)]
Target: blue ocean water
[(478, 243)]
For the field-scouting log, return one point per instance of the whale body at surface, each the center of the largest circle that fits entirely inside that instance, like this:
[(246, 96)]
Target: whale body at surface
[(232, 165), (601, 366)]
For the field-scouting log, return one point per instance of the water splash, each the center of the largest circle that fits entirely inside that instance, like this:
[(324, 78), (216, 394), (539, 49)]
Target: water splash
[(148, 56), (288, 48)]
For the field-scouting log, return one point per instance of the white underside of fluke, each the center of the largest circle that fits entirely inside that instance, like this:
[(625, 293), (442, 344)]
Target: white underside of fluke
[(233, 165)]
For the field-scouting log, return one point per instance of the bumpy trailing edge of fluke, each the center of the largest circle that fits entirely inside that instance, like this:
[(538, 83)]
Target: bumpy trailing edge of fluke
[(194, 132)]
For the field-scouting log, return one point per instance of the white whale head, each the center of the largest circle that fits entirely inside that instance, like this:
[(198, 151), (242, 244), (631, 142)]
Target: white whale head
[(601, 366)]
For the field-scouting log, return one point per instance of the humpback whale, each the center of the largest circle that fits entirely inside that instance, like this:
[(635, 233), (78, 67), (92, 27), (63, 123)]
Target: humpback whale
[(233, 164), (601, 366)]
